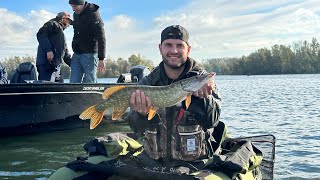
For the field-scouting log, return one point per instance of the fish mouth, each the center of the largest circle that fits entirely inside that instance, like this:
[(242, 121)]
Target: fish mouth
[(197, 82)]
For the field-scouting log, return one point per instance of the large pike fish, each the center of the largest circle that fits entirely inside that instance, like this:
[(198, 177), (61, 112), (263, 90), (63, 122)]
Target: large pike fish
[(118, 97)]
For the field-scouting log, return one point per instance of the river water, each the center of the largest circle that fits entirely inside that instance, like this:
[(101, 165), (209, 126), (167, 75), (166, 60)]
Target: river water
[(287, 106)]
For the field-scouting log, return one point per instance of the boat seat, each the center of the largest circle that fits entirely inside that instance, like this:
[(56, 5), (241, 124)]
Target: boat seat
[(24, 72)]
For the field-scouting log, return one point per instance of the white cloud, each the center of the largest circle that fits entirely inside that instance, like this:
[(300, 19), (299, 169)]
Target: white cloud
[(13, 28), (19, 32), (124, 38), (121, 22), (218, 28), (235, 28), (225, 28), (38, 18)]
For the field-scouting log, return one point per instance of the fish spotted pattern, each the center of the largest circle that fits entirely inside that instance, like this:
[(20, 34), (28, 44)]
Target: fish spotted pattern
[(118, 97)]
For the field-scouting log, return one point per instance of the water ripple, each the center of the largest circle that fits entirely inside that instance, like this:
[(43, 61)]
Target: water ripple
[(24, 173), (286, 106)]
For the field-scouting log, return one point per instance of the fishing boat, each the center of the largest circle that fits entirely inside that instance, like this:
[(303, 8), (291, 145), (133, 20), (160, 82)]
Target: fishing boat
[(29, 106)]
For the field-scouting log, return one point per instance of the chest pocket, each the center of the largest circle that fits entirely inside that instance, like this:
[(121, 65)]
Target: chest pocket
[(190, 143)]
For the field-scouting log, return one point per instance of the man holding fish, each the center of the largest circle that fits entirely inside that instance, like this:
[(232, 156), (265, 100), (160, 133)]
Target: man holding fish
[(175, 110), (175, 113), (185, 131)]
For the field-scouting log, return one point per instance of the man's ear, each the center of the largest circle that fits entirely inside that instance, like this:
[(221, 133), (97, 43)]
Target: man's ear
[(189, 49), (160, 49)]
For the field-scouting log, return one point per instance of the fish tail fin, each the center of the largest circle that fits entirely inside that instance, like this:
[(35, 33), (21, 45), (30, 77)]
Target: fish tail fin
[(94, 115)]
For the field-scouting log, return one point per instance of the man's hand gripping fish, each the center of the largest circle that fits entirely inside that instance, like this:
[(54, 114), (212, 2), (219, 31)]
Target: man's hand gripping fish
[(118, 97)]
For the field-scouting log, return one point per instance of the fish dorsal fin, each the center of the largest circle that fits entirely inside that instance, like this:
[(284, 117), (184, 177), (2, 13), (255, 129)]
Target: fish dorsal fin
[(152, 113), (117, 112), (108, 92), (188, 101)]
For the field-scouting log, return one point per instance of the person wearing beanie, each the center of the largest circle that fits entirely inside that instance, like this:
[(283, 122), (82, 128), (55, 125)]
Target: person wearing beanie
[(88, 44), (52, 49), (77, 2)]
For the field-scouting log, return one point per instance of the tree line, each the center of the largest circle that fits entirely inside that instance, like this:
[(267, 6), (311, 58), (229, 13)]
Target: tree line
[(301, 57), (113, 67)]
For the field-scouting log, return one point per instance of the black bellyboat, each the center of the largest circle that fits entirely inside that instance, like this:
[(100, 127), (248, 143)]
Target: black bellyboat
[(30, 106), (116, 156)]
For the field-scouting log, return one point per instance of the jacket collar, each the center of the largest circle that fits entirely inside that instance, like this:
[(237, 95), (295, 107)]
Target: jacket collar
[(190, 63)]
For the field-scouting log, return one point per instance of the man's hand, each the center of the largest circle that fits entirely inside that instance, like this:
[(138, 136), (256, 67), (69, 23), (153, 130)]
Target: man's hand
[(50, 56), (140, 102), (101, 66), (205, 90)]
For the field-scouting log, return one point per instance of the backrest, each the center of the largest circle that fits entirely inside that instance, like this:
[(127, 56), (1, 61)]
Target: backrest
[(25, 71)]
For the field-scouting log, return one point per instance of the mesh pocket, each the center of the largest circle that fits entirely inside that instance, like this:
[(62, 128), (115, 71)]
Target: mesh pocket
[(151, 144)]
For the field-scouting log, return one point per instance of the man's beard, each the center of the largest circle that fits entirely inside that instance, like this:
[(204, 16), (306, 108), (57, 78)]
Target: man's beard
[(64, 26), (175, 67)]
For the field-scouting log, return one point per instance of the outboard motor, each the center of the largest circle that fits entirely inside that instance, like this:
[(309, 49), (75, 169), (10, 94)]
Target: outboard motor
[(139, 72), (124, 78), (136, 74), (24, 72)]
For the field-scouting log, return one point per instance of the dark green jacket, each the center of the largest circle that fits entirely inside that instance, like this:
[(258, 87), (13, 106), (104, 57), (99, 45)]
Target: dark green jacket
[(205, 111), (51, 38)]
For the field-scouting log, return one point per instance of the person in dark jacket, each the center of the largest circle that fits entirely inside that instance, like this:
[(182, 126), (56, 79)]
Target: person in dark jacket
[(175, 140), (3, 75), (52, 48), (177, 133), (89, 42)]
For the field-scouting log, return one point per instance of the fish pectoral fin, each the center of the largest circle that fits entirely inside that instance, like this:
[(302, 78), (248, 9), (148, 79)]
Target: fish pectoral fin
[(94, 115), (152, 113), (108, 92), (117, 112), (188, 101)]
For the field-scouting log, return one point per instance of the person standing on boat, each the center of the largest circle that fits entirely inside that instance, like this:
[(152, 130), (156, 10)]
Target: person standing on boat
[(3, 75), (52, 48), (177, 133), (89, 42)]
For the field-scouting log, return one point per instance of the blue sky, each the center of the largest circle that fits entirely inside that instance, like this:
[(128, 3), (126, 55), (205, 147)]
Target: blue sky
[(218, 28), (145, 9)]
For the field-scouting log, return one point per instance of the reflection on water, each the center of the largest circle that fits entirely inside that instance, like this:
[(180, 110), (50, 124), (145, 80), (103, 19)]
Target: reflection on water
[(286, 106), (37, 156)]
